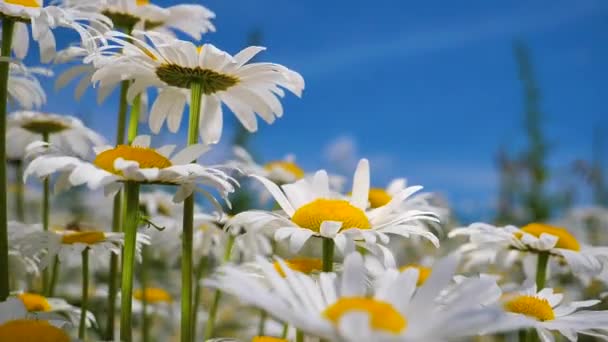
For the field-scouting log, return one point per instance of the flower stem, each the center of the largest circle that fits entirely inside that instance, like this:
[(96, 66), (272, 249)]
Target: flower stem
[(285, 331), (128, 261), (7, 36), (46, 194), (54, 277), (134, 119), (217, 296), (82, 328), (328, 255), (200, 270), (299, 336), (541, 270), (262, 323), (19, 191), (188, 222), (145, 327)]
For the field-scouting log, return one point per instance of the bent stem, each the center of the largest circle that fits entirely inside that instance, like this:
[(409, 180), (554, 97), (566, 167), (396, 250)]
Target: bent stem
[(328, 255), (217, 296), (7, 36), (128, 261), (188, 221), (82, 328)]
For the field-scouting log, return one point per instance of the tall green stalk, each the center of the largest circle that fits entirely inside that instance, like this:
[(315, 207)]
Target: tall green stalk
[(198, 275), (134, 119), (131, 223), (328, 255), (116, 216), (541, 270), (19, 191), (188, 221), (7, 36), (82, 328), (217, 295), (54, 276), (145, 327), (46, 195)]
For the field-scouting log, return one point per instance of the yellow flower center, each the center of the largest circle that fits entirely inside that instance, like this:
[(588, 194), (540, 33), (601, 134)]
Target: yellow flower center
[(147, 158), (378, 197), (304, 265), (382, 316), (142, 2), (268, 339), (25, 3), (290, 167), (423, 272), (34, 302), (565, 239), (88, 238), (531, 306), (153, 295), (31, 330), (311, 215)]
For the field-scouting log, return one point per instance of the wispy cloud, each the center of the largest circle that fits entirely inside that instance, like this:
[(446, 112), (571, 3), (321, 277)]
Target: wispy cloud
[(450, 35)]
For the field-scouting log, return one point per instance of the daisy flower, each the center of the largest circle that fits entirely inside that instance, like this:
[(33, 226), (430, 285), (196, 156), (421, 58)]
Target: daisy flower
[(345, 308), (80, 16), (138, 163), (24, 259), (23, 86), (548, 313), (53, 307), (310, 209), (158, 301), (65, 132), (490, 243), (17, 324), (175, 65)]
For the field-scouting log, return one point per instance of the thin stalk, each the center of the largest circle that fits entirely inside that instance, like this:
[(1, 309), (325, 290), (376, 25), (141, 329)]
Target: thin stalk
[(82, 328), (7, 36), (217, 296), (188, 222), (128, 262), (54, 277), (541, 270), (328, 255), (145, 327), (198, 275), (262, 323), (285, 331), (134, 119), (299, 336), (19, 191), (46, 206)]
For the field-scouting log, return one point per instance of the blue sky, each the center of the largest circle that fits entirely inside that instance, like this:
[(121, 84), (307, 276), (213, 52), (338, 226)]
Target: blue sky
[(425, 90)]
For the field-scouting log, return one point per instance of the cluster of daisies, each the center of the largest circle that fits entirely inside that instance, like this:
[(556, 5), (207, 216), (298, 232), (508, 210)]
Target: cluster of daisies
[(119, 238)]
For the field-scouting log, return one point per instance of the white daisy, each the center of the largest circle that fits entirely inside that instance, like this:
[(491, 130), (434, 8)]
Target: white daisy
[(345, 309), (65, 132), (175, 65), (23, 86), (159, 203), (549, 313), (80, 16), (53, 307), (310, 209), (24, 259), (137, 163), (17, 324), (158, 301), (493, 242)]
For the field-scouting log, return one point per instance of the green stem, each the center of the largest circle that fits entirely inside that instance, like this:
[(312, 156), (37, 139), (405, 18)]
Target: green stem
[(262, 323), (285, 331), (541, 270), (122, 113), (134, 119), (145, 327), (54, 277), (128, 262), (19, 191), (45, 217), (82, 328), (217, 296), (328, 255), (113, 276), (198, 275), (188, 222), (7, 36), (299, 336)]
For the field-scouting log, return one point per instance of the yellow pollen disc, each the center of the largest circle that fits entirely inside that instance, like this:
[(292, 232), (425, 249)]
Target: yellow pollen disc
[(382, 316), (153, 295), (88, 238), (142, 2), (147, 158), (423, 272), (290, 167), (304, 265), (378, 197), (25, 3), (565, 239), (26, 330), (531, 306), (34, 302), (268, 339), (311, 215)]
